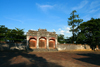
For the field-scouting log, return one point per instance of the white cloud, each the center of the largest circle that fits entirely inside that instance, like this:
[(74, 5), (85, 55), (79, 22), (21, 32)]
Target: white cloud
[(62, 32), (94, 10), (59, 29), (65, 31), (67, 28), (54, 30), (92, 7), (44, 7), (31, 29), (81, 5), (94, 4)]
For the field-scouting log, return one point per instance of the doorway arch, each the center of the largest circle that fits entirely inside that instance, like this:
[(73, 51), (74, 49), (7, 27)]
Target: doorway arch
[(32, 43), (51, 43), (42, 42)]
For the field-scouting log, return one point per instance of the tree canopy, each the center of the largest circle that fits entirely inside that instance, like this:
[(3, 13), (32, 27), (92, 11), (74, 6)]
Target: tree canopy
[(3, 31), (90, 32), (11, 35)]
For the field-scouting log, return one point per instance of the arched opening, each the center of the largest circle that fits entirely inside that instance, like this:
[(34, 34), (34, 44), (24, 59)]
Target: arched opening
[(32, 43), (42, 42), (51, 43)]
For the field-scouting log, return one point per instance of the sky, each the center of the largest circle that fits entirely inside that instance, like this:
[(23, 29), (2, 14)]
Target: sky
[(46, 14)]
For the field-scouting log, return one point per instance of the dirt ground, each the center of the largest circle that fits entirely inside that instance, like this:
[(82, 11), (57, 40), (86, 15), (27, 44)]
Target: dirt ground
[(50, 59)]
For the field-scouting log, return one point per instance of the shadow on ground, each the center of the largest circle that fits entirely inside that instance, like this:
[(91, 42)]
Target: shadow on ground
[(23, 59), (91, 58)]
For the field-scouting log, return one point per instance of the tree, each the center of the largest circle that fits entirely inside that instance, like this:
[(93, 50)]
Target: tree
[(90, 32), (81, 38), (16, 35), (68, 40), (3, 31), (74, 22), (11, 35), (19, 35), (61, 39)]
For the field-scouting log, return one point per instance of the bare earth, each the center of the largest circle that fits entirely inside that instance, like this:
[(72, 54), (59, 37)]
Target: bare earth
[(50, 59)]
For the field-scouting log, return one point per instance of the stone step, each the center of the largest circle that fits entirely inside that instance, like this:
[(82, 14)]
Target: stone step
[(53, 49), (43, 50), (40, 50)]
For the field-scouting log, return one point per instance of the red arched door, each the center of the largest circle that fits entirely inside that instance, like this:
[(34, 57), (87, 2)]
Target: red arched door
[(51, 43), (42, 43), (32, 43)]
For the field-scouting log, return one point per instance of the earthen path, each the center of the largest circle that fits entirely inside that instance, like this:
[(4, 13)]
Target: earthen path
[(50, 59)]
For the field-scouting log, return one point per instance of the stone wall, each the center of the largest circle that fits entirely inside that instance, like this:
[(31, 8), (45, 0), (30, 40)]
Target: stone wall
[(61, 47)]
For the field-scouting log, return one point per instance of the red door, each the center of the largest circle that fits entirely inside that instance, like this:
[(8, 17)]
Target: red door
[(51, 43), (32, 43), (42, 43)]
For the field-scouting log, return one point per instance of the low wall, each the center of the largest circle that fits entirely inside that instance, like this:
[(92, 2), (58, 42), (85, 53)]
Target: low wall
[(61, 47), (12, 46)]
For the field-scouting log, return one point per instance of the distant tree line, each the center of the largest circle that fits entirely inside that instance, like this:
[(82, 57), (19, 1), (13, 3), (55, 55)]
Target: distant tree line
[(83, 32), (11, 35)]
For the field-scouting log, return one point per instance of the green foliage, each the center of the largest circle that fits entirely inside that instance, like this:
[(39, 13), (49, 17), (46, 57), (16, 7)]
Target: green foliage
[(68, 40), (13, 35), (73, 21), (3, 31), (90, 32), (16, 35), (80, 38)]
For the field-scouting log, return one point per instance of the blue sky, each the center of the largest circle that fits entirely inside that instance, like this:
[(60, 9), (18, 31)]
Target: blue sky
[(46, 14)]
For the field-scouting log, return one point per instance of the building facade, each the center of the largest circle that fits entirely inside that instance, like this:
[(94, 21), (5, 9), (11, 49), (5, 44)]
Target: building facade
[(41, 39)]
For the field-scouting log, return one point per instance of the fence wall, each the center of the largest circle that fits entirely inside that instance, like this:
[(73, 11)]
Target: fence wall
[(73, 47)]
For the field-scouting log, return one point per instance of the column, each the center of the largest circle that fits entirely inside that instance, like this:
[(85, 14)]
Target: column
[(56, 43), (47, 43), (37, 42), (27, 39)]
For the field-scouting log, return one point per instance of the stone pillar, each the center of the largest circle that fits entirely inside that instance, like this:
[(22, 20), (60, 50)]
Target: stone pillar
[(56, 43), (37, 46), (27, 44), (47, 43)]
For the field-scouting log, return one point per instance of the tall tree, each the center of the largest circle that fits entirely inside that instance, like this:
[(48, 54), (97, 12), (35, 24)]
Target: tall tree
[(73, 22)]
